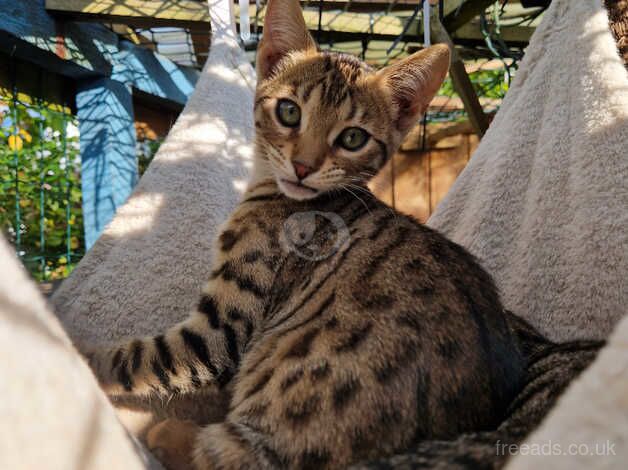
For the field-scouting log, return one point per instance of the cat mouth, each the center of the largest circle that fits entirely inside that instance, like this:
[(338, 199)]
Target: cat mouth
[(297, 190)]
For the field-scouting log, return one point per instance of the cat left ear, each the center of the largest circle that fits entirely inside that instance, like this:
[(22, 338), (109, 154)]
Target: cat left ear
[(284, 32), (413, 82)]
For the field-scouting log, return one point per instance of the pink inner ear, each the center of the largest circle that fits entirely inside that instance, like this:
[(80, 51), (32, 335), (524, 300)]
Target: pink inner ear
[(408, 110), (270, 60)]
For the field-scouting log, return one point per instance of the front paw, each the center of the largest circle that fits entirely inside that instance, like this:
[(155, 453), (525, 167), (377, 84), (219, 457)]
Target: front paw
[(172, 442)]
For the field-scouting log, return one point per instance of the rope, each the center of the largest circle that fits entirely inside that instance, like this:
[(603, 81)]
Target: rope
[(415, 12), (320, 22)]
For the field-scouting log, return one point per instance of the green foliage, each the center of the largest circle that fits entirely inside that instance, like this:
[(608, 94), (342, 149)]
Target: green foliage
[(40, 189), (487, 83), (146, 150)]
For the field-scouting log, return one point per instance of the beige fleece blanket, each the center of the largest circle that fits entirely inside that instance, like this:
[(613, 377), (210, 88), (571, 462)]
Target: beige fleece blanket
[(148, 267), (53, 414), (543, 202)]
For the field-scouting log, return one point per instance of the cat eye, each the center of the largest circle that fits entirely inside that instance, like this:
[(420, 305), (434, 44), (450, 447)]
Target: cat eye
[(288, 113), (353, 138)]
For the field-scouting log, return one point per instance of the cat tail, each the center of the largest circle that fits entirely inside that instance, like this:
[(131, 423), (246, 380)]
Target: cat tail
[(192, 354), (550, 370)]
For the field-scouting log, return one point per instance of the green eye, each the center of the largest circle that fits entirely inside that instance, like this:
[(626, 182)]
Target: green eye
[(288, 113), (353, 138)]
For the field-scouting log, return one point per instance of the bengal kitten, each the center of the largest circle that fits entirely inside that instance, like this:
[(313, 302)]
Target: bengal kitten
[(343, 331)]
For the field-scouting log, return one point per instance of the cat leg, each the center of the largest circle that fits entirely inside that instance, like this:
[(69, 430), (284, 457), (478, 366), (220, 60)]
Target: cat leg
[(233, 446), (205, 349), (190, 355), (172, 442)]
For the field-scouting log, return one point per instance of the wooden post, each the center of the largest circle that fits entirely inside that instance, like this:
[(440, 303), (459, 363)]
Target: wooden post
[(108, 154), (462, 83), (465, 13)]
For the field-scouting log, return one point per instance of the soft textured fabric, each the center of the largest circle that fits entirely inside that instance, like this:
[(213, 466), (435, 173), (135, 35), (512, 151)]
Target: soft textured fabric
[(588, 427), (543, 201), (53, 415)]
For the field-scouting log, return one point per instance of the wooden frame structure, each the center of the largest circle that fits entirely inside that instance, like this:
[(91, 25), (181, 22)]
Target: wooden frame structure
[(341, 19)]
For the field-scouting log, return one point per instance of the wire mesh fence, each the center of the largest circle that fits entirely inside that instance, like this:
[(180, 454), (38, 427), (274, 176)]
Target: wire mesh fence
[(40, 191)]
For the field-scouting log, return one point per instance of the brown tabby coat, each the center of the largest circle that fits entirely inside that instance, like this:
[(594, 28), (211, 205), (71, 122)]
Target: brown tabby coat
[(344, 331)]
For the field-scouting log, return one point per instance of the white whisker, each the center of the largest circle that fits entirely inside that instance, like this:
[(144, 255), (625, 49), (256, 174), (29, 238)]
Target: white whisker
[(357, 197)]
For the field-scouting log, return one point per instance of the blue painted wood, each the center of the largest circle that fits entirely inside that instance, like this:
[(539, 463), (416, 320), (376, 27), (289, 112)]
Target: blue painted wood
[(107, 69), (153, 73), (108, 151), (74, 49), (79, 50)]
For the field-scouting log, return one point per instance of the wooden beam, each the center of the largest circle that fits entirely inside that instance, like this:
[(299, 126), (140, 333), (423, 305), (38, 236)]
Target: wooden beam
[(465, 13), (363, 6), (514, 35), (461, 81), (464, 88), (135, 12), (54, 91), (68, 48), (201, 41), (108, 155)]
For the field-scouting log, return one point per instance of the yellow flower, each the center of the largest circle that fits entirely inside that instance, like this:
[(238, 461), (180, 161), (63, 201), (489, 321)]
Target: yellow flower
[(15, 142), (27, 137)]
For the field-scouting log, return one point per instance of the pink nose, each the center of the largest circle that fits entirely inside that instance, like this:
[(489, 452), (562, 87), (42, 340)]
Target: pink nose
[(302, 170)]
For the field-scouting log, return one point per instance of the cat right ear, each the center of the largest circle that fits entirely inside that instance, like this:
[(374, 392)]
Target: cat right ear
[(284, 32)]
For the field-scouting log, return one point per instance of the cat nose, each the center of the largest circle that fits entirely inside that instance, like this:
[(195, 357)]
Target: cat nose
[(302, 170)]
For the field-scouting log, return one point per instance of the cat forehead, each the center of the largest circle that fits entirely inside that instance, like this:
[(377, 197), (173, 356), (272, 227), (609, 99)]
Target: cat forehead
[(300, 68)]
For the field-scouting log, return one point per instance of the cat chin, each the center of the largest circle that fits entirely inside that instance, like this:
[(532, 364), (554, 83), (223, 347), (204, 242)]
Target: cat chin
[(296, 191)]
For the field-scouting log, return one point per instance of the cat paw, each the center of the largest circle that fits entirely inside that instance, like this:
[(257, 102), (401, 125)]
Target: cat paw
[(172, 442)]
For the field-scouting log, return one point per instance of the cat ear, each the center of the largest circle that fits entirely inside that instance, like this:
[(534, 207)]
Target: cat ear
[(284, 32), (413, 82)]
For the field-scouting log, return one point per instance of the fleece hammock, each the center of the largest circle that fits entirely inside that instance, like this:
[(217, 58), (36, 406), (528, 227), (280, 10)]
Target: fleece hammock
[(570, 98)]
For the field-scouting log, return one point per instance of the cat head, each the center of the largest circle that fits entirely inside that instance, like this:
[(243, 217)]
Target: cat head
[(324, 120)]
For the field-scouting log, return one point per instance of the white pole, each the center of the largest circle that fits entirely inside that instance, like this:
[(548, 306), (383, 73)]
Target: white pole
[(427, 41), (245, 27)]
